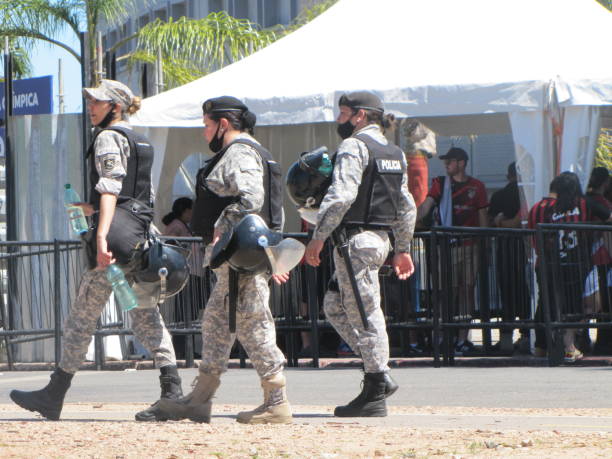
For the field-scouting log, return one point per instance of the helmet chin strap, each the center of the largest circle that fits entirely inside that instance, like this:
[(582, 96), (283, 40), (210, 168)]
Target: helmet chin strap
[(106, 121)]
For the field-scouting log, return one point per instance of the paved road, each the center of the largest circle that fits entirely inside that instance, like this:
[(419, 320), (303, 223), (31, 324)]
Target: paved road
[(315, 392)]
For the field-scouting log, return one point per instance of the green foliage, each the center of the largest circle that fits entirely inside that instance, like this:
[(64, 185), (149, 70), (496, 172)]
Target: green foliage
[(176, 72), (606, 3), (30, 21), (190, 48), (199, 46), (305, 16), (308, 14), (603, 153), (22, 66)]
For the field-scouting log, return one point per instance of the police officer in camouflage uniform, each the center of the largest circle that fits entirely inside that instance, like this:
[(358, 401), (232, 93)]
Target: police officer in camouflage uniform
[(367, 198), (113, 183), (233, 184)]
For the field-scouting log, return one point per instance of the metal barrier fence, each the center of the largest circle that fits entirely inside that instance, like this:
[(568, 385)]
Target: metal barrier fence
[(486, 282), (37, 282), (465, 278), (575, 279)]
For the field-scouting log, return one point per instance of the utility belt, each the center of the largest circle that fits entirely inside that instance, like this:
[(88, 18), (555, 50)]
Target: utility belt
[(128, 231), (352, 230)]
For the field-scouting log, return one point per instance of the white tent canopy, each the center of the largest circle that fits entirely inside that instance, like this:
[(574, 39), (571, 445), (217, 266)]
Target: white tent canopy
[(462, 66)]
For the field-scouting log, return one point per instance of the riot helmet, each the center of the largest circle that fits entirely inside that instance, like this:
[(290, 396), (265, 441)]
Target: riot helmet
[(164, 262), (308, 180), (251, 247)]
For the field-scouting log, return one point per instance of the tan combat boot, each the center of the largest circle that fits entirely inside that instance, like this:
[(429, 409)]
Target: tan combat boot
[(195, 406), (275, 408)]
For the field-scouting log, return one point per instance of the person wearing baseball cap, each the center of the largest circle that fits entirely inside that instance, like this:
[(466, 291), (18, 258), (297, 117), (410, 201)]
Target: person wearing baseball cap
[(461, 200), (120, 211), (368, 197), (456, 153), (116, 102)]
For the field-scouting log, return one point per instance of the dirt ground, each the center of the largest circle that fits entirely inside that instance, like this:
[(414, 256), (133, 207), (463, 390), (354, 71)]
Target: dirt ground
[(303, 439)]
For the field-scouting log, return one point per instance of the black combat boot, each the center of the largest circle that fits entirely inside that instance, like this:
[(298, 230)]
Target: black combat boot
[(370, 402), (390, 385), (170, 383), (49, 400)]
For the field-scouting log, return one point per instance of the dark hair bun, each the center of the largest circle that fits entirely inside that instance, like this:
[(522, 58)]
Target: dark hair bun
[(249, 119)]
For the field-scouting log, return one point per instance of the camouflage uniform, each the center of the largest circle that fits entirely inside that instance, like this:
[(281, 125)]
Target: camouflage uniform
[(239, 173), (368, 251), (111, 155)]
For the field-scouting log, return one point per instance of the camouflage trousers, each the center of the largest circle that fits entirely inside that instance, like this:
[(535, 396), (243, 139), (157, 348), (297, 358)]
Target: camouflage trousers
[(254, 326), (93, 293), (368, 251)]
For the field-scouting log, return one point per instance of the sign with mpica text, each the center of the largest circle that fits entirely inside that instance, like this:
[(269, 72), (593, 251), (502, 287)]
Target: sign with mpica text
[(31, 96)]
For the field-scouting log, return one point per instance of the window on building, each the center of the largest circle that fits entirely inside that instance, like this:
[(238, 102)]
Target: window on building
[(112, 38), (295, 9), (178, 10), (214, 6), (161, 14), (143, 21), (268, 12), (124, 33), (239, 9)]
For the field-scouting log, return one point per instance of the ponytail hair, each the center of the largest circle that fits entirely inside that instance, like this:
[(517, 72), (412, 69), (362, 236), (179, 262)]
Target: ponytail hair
[(134, 106), (386, 121)]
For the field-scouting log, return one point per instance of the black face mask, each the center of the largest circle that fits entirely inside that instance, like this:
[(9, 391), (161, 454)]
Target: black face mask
[(110, 116), (345, 130), (216, 143)]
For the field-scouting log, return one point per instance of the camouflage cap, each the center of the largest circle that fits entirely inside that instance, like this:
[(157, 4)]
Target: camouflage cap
[(111, 91)]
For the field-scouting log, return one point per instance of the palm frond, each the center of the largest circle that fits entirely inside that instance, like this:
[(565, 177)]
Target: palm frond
[(25, 34), (305, 16), (603, 153), (209, 43), (22, 66), (47, 17), (111, 12), (176, 73)]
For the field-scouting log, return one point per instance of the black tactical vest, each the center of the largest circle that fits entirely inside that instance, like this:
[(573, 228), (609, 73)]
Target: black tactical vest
[(377, 202), (137, 182), (208, 206)]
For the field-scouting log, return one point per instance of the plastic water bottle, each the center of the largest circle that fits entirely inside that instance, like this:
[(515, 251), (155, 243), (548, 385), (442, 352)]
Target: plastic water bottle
[(78, 223), (124, 295), (326, 166)]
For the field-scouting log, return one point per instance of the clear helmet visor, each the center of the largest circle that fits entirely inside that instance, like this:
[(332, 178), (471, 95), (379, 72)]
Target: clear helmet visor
[(309, 214), (285, 256)]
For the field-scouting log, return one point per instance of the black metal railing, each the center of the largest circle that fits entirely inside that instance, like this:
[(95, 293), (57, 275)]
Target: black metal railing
[(37, 282), (465, 278)]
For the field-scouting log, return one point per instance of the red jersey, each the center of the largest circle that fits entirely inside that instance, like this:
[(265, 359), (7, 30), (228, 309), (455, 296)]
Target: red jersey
[(544, 212), (468, 198), (584, 211)]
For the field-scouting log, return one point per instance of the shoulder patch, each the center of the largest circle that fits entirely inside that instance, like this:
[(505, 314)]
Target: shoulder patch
[(108, 164)]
